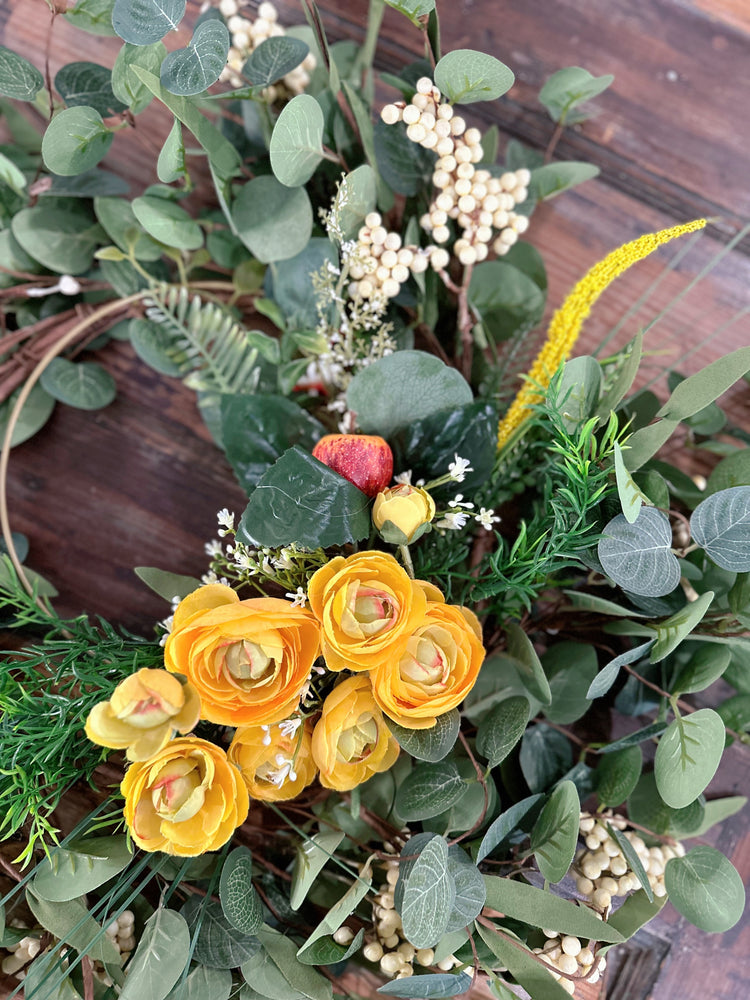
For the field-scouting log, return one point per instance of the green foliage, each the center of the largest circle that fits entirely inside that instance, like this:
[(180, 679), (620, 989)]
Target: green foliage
[(568, 88), (143, 22), (162, 954), (555, 833), (706, 888), (88, 84), (502, 729), (274, 58), (34, 414), (126, 85), (296, 142), (273, 222), (240, 902), (84, 865), (688, 755), (429, 744), (219, 944), (721, 525), (19, 79), (311, 857), (428, 790), (61, 237), (83, 384), (192, 70), (639, 556), (429, 893), (76, 140), (618, 774), (465, 76), (554, 178), (508, 300)]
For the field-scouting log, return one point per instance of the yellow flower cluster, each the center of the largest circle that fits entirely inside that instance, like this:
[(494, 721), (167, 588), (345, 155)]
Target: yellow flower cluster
[(481, 204), (250, 664), (567, 321)]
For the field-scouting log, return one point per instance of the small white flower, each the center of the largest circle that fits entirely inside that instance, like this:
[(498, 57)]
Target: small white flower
[(458, 501), (290, 726), (284, 560), (453, 520), (226, 522), (458, 468), (298, 598), (266, 735), (486, 517), (209, 577), (404, 478), (213, 549)]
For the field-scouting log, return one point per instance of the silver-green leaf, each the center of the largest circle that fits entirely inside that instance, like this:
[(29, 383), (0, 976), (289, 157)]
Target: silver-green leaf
[(143, 22), (688, 755), (296, 146), (465, 76), (429, 894), (705, 888), (192, 70), (721, 525), (639, 556)]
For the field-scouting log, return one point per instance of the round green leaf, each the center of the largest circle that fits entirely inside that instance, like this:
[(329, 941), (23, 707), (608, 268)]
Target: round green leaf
[(688, 755), (705, 666), (76, 140), (167, 222), (297, 141), (142, 22), (429, 790), (93, 16), (402, 387), (87, 84), (465, 76), (62, 239), (84, 385), (273, 222), (18, 78), (706, 889), (544, 757), (193, 69), (721, 525), (126, 85), (35, 413), (274, 58), (429, 744), (118, 221), (569, 87), (639, 556), (647, 807), (618, 774), (505, 297), (428, 896), (220, 945), (239, 900), (555, 833), (554, 178), (499, 732)]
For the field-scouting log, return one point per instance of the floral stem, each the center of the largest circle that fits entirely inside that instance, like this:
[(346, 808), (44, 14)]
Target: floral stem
[(406, 557)]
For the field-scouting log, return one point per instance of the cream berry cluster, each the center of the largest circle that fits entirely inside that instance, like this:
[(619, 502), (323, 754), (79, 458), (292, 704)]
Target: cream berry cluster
[(482, 205), (246, 35), (379, 264), (570, 956), (602, 869), (387, 946)]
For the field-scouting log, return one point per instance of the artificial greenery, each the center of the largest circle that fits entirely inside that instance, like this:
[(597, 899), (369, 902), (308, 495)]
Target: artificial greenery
[(601, 573)]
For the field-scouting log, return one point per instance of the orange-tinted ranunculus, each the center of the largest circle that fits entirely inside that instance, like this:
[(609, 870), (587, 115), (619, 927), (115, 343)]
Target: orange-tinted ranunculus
[(365, 604), (433, 669), (402, 514), (278, 770), (185, 800), (248, 660), (143, 713), (351, 740)]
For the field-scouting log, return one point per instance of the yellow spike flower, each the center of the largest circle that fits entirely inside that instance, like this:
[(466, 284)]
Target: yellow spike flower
[(567, 322)]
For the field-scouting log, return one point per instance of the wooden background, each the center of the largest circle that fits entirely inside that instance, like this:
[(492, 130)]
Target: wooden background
[(139, 482)]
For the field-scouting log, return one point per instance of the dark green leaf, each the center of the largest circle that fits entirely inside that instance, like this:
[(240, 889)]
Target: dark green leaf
[(429, 790), (571, 668), (697, 391), (617, 775), (608, 674), (631, 856), (220, 945), (555, 833), (292, 288), (501, 730), (405, 166), (325, 951), (470, 889), (257, 430), (192, 70), (465, 76), (717, 810), (303, 501), (273, 222), (143, 22), (75, 140), (545, 756), (647, 808), (734, 470), (704, 667), (90, 184), (688, 755), (506, 823), (636, 911), (541, 908), (429, 744), (639, 556), (34, 414), (126, 85), (405, 386), (428, 896), (88, 84), (19, 79), (721, 525), (633, 739), (506, 299), (83, 384), (706, 889), (528, 664), (274, 58)]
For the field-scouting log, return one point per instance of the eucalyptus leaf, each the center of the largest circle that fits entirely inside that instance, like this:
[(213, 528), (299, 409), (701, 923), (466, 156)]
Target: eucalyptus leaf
[(429, 744), (204, 984), (76, 140), (84, 865), (631, 497), (165, 584), (522, 965), (554, 178), (404, 166), (71, 922), (674, 630), (623, 378), (160, 957), (428, 896), (609, 673), (239, 900), (192, 70), (639, 556), (465, 76), (633, 739), (143, 22), (273, 59), (19, 79), (555, 833), (697, 391), (301, 500), (117, 219), (437, 984), (167, 222), (296, 146), (502, 729), (721, 525), (34, 414), (688, 755), (471, 892), (126, 85), (301, 978), (617, 775), (636, 911), (647, 808), (501, 828), (414, 10), (219, 944), (538, 907), (429, 790), (94, 16), (705, 887), (570, 668), (340, 910), (88, 84), (706, 665), (717, 810), (273, 222), (506, 298), (544, 757), (170, 165), (569, 87), (62, 239), (529, 665), (83, 384)]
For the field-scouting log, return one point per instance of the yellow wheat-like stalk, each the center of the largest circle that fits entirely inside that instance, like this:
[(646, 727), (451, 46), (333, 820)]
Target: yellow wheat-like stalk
[(567, 322)]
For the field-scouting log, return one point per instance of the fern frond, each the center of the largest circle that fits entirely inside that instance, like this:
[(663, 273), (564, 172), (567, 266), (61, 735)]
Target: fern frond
[(215, 353)]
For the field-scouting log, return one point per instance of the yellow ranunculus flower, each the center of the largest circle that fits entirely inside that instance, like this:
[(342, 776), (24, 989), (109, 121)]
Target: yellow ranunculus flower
[(351, 740), (402, 514), (185, 800), (365, 604), (433, 668), (143, 713), (248, 660), (278, 769)]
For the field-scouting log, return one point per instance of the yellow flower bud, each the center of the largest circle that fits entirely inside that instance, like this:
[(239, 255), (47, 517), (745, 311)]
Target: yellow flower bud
[(403, 513)]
